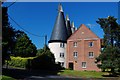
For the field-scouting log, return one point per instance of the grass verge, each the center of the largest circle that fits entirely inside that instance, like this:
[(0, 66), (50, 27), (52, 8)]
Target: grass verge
[(82, 74), (7, 78)]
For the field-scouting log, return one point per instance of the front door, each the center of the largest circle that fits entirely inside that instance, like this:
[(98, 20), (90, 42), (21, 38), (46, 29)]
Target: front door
[(71, 66)]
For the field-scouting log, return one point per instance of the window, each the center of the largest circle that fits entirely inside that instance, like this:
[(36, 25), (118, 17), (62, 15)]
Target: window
[(90, 44), (91, 54), (62, 55), (62, 45), (83, 64), (62, 64), (75, 44), (75, 54)]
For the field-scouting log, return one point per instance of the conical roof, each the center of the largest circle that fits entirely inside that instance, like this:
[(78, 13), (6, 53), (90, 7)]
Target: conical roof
[(68, 26), (59, 33), (72, 27)]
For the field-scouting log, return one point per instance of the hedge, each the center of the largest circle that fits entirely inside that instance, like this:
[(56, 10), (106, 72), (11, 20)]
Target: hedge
[(42, 62), (19, 61)]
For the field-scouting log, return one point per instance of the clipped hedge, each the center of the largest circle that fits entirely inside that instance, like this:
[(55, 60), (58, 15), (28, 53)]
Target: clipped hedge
[(42, 62), (19, 61)]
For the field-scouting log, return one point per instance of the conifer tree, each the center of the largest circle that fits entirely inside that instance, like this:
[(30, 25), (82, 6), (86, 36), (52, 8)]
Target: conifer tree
[(8, 36), (110, 55)]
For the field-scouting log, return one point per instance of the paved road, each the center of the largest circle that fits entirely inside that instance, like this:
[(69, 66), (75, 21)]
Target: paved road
[(53, 77)]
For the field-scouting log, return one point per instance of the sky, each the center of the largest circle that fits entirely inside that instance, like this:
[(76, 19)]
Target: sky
[(62, 0), (39, 17)]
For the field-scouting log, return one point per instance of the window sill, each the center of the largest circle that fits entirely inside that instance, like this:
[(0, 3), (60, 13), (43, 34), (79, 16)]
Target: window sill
[(91, 57), (62, 57), (84, 67)]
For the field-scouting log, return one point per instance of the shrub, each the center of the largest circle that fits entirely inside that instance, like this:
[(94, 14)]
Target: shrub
[(19, 61), (42, 62), (45, 61)]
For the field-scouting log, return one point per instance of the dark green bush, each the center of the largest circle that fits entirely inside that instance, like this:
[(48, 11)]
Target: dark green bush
[(45, 61), (42, 62)]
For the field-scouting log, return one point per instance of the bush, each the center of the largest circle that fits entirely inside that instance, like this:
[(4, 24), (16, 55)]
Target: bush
[(42, 62), (45, 61), (19, 61)]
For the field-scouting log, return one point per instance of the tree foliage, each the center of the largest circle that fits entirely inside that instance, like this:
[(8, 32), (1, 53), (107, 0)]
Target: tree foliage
[(46, 51), (39, 52), (24, 46), (44, 61), (14, 41), (8, 36), (110, 55)]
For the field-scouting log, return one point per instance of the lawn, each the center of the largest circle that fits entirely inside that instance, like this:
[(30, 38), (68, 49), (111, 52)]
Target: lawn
[(7, 78), (82, 74)]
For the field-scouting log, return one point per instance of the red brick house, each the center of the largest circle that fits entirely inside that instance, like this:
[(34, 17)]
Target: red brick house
[(83, 46)]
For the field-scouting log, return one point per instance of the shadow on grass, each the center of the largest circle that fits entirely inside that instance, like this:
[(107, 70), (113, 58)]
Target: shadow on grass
[(22, 73), (111, 75)]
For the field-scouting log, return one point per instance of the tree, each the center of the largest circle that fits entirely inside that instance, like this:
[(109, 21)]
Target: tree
[(110, 55), (8, 36), (24, 46), (44, 61), (39, 52), (14, 42), (46, 51)]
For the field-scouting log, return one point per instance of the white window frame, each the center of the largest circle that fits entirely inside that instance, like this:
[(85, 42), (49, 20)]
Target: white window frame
[(62, 64), (91, 44), (91, 55), (75, 44), (62, 45), (62, 55), (75, 54), (84, 64)]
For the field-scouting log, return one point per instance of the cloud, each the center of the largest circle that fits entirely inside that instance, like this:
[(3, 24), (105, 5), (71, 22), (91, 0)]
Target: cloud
[(91, 25)]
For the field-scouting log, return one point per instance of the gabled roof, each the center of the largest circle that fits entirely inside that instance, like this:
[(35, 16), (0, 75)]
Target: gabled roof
[(83, 33), (59, 33)]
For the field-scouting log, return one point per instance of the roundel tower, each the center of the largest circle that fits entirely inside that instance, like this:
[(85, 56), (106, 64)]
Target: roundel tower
[(58, 39)]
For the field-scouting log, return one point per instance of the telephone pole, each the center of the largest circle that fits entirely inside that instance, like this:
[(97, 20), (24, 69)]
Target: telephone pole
[(45, 40), (45, 43)]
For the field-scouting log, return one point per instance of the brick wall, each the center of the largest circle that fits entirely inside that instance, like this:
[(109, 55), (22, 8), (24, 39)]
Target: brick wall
[(83, 36)]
